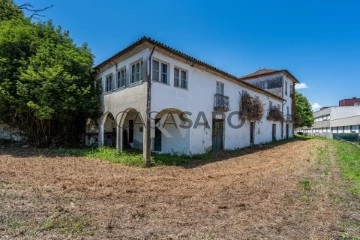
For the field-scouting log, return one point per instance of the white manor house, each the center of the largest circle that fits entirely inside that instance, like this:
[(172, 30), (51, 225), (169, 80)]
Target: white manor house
[(192, 106)]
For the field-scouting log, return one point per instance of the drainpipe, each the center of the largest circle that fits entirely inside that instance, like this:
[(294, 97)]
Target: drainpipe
[(147, 150)]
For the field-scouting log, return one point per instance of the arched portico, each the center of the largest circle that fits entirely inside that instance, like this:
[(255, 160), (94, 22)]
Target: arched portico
[(130, 130), (107, 130)]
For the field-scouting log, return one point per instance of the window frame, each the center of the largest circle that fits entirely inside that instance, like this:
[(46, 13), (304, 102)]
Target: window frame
[(160, 72), (106, 83), (180, 80), (118, 77), (223, 88), (152, 70), (99, 85), (140, 73)]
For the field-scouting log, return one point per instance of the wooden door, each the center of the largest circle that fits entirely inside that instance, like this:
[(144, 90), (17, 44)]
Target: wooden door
[(218, 134), (252, 133)]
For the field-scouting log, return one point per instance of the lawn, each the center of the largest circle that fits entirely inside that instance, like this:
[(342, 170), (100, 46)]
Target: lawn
[(349, 161), (301, 189), (128, 158)]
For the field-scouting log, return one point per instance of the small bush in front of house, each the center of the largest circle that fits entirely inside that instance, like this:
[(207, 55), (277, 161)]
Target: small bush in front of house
[(275, 114), (251, 108)]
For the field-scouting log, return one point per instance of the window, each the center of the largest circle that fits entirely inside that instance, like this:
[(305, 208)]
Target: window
[(180, 78), (155, 70), (176, 77), (219, 88), (286, 87), (137, 72), (270, 104), (262, 85), (108, 86), (98, 85), (183, 79), (160, 71), (164, 73), (121, 78)]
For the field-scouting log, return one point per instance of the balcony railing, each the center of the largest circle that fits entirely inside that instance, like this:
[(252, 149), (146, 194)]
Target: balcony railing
[(221, 103)]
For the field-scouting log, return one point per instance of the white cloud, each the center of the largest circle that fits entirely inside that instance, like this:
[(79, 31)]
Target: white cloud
[(301, 86), (316, 106)]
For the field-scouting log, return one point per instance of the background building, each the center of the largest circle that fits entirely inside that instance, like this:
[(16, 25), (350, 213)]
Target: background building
[(331, 121), (349, 102)]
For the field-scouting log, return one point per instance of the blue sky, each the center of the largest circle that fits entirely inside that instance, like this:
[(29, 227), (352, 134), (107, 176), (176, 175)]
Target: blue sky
[(318, 41)]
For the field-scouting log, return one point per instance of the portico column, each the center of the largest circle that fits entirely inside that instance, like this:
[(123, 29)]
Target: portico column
[(101, 135), (145, 139), (119, 138)]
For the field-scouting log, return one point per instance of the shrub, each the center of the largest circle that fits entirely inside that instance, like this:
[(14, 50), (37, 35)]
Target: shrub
[(251, 108), (275, 115)]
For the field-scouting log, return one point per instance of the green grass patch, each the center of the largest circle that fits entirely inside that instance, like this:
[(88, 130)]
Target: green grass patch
[(129, 158), (348, 156), (306, 185)]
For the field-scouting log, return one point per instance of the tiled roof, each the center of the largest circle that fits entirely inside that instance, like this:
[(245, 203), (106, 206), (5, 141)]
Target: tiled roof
[(185, 56), (266, 72), (261, 72)]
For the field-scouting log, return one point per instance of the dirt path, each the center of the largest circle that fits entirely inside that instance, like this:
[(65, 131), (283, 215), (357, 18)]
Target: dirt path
[(254, 196)]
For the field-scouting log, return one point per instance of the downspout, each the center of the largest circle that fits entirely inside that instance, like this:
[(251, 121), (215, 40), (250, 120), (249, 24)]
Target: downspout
[(282, 107), (147, 150)]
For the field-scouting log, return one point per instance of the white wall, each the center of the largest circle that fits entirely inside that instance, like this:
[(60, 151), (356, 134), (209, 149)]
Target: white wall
[(174, 139), (120, 100), (344, 112), (200, 97)]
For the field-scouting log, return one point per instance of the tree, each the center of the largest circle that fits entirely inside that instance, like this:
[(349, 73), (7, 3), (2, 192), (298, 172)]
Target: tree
[(8, 10), (47, 87), (304, 114)]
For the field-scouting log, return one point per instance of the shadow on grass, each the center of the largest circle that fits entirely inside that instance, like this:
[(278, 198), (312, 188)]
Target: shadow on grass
[(134, 158)]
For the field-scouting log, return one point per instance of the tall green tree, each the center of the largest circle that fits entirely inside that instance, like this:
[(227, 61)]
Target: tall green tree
[(47, 87), (8, 10), (304, 114)]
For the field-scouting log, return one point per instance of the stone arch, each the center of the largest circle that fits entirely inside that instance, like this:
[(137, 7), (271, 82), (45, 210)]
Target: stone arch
[(109, 133), (131, 129)]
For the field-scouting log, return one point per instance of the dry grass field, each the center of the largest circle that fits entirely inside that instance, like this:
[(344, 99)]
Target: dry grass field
[(290, 190)]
